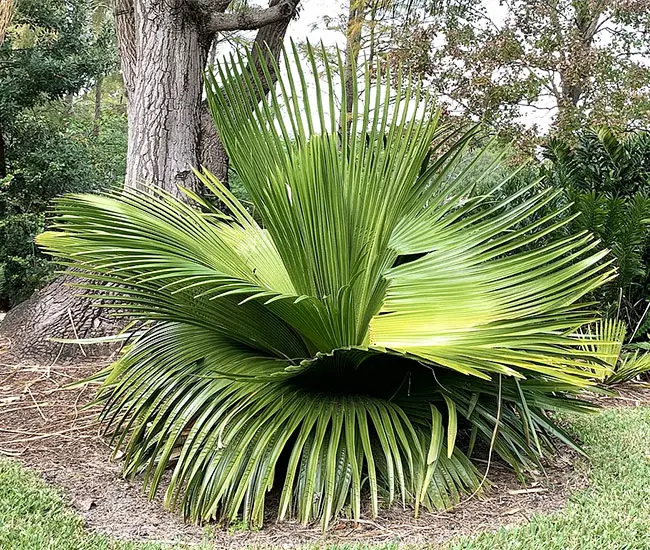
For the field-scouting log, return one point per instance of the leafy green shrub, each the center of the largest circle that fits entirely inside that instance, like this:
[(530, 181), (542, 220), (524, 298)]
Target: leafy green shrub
[(22, 267), (359, 343), (51, 52), (608, 180), (47, 157)]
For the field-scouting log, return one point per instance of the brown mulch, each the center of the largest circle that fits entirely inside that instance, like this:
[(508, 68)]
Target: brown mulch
[(627, 394), (45, 427)]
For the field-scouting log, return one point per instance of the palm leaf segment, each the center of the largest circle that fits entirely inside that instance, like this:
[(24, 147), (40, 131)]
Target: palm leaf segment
[(355, 345), (624, 362)]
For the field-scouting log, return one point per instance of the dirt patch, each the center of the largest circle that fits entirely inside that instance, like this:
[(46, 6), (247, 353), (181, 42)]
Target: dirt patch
[(47, 428), (627, 394)]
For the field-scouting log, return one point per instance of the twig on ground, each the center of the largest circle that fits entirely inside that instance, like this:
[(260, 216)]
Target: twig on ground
[(36, 403), (25, 407), (76, 401), (12, 453), (74, 331), (49, 367)]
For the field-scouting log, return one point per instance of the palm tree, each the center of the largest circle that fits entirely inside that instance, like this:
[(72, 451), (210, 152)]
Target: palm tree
[(626, 361), (353, 340)]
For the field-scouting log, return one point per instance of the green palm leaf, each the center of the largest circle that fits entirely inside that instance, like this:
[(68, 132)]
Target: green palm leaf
[(355, 344)]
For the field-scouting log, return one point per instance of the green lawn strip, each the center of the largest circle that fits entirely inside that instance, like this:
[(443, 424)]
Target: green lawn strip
[(612, 513)]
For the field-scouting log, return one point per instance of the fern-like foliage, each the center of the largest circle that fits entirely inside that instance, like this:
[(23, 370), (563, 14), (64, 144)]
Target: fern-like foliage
[(607, 179)]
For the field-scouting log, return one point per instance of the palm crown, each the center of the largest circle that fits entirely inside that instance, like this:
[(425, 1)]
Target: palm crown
[(356, 343)]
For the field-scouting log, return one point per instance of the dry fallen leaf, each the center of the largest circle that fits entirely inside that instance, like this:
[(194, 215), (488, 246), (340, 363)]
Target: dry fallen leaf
[(84, 504)]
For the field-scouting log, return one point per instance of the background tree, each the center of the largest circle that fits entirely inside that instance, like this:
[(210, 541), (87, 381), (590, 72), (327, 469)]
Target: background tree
[(573, 62), (48, 54), (164, 48)]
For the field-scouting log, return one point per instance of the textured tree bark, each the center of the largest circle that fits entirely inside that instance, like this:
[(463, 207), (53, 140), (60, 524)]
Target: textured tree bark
[(57, 312), (352, 48), (212, 154), (266, 49), (165, 104), (170, 130)]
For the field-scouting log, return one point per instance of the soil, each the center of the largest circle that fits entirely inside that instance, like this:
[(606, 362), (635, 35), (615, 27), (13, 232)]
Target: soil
[(48, 428), (627, 394)]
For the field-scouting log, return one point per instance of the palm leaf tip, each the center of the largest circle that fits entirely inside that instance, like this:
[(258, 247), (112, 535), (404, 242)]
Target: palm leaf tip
[(342, 346)]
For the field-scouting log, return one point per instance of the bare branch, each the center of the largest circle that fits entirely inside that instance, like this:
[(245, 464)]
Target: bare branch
[(250, 19)]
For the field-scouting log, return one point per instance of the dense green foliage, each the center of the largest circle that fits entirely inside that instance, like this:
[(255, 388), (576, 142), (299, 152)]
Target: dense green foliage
[(357, 344), (604, 181), (608, 180), (50, 50), (52, 151), (47, 143)]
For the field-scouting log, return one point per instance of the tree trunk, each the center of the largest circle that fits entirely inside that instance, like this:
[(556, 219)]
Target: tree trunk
[(574, 78), (352, 48), (165, 105), (212, 154), (57, 311), (98, 107)]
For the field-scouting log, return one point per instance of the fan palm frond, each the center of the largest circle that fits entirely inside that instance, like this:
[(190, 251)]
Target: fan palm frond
[(356, 344), (624, 362)]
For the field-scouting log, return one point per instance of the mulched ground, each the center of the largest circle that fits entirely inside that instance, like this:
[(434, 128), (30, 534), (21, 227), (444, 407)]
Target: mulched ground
[(45, 427)]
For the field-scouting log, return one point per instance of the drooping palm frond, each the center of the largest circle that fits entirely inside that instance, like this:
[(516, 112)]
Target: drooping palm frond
[(632, 365), (356, 344)]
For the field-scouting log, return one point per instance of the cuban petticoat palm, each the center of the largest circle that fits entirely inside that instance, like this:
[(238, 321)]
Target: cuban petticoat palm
[(350, 343)]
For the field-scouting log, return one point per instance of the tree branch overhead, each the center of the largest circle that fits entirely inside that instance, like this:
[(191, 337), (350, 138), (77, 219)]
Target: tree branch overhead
[(251, 19)]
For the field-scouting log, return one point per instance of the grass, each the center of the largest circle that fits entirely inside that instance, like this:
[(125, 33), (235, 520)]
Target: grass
[(613, 513)]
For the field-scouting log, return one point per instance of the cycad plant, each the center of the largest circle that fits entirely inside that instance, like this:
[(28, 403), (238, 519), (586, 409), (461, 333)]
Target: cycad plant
[(608, 180), (352, 347)]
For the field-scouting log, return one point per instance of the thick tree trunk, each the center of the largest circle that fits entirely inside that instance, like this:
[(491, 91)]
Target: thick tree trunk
[(212, 154), (57, 311), (165, 105)]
